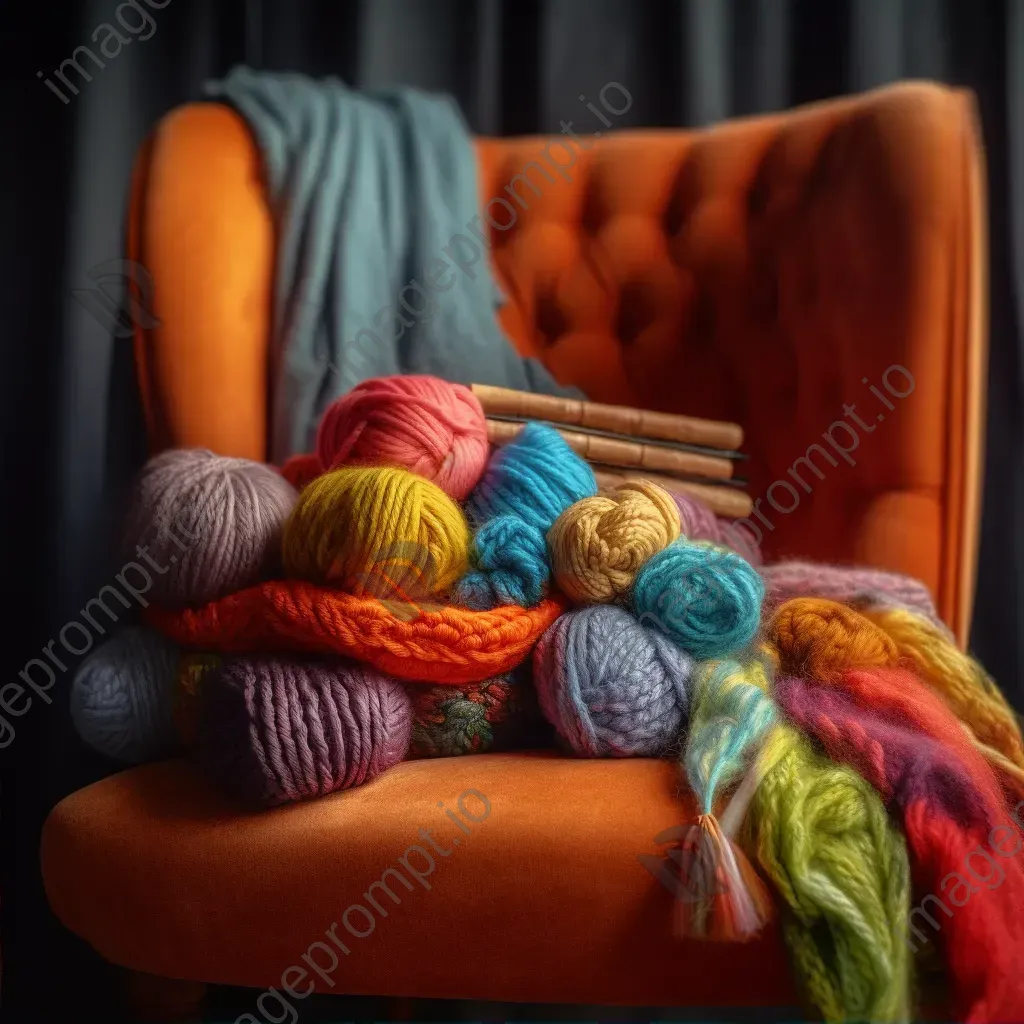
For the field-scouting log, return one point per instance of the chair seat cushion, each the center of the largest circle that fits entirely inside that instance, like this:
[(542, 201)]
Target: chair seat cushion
[(504, 877), (421, 643)]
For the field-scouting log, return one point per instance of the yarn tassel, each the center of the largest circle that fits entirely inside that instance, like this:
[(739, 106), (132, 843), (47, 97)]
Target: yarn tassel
[(725, 900), (721, 896)]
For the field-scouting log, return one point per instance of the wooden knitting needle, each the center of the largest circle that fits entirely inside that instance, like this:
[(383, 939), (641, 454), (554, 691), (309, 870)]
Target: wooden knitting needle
[(618, 418), (628, 454), (723, 501)]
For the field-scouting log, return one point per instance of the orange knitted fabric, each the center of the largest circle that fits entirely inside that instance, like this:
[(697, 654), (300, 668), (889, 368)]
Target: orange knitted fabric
[(440, 644)]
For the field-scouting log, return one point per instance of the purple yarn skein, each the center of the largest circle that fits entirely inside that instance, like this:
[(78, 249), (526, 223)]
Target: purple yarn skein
[(274, 731), (853, 585), (700, 523), (203, 525), (609, 686)]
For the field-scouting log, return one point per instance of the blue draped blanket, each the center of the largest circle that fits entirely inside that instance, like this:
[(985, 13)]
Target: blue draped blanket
[(381, 263)]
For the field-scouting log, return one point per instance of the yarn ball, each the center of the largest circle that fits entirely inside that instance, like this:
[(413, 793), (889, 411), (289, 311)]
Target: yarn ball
[(122, 696), (609, 686), (377, 532), (273, 731), (528, 483), (300, 470), (511, 566), (705, 598), (536, 476), (203, 525), (821, 639), (421, 423), (700, 523), (497, 714), (597, 544)]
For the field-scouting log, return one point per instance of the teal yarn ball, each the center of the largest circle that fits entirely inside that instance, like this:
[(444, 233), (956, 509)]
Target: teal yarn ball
[(707, 599), (122, 697), (527, 485)]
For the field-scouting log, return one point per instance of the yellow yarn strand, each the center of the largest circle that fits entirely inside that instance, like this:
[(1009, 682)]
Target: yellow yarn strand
[(824, 838), (379, 532), (966, 687), (598, 544)]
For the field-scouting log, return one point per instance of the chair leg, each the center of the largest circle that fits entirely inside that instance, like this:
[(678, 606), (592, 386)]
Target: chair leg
[(149, 999)]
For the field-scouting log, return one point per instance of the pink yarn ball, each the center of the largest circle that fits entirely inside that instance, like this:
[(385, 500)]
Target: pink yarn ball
[(419, 423)]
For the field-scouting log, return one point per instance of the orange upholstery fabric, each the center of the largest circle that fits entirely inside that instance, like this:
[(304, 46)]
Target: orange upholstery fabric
[(543, 900), (756, 271)]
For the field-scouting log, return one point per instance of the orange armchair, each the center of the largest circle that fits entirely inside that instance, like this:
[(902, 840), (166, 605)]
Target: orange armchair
[(817, 276)]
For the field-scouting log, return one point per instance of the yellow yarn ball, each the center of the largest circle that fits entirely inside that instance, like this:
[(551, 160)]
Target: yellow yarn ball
[(377, 532), (598, 544)]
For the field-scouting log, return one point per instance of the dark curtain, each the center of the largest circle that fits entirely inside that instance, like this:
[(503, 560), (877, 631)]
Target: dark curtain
[(71, 434)]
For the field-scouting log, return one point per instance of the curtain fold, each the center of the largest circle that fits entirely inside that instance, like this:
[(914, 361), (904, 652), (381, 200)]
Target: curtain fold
[(71, 436)]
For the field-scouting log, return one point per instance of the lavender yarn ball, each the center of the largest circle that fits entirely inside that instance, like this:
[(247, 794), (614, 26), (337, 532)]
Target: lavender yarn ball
[(122, 697), (272, 731), (609, 686), (203, 525)]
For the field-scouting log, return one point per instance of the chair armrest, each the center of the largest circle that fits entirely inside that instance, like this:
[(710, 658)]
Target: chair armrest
[(200, 224)]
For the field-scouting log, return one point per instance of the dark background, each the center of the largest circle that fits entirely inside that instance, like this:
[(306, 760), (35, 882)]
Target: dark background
[(71, 434)]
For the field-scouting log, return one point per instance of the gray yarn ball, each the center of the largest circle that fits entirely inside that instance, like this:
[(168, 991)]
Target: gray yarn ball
[(203, 525), (611, 687), (122, 697)]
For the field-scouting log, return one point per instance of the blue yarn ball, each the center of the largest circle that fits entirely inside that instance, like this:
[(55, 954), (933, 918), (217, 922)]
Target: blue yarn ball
[(536, 476), (527, 485), (705, 598), (609, 686), (511, 565), (122, 697)]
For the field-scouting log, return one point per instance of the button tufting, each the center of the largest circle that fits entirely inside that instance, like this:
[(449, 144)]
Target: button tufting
[(595, 210), (551, 321), (703, 318), (637, 311), (755, 271)]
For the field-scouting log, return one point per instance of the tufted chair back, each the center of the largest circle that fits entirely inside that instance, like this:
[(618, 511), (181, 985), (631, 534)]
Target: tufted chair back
[(817, 276)]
